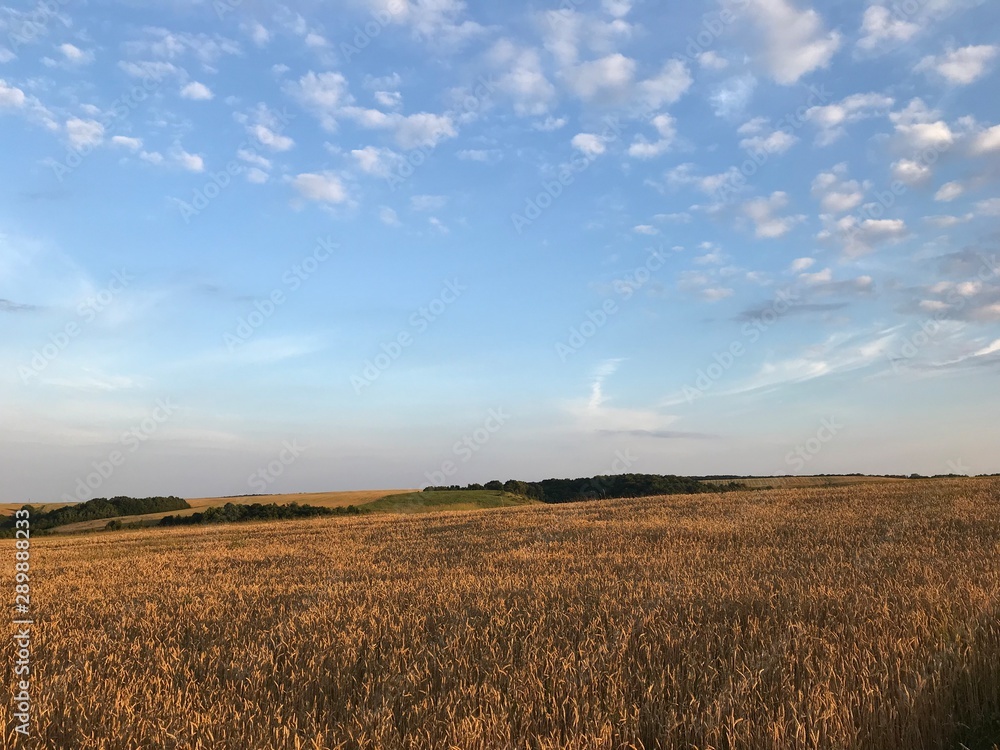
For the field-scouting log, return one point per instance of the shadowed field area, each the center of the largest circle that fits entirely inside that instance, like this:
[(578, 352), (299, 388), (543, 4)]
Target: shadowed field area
[(442, 500), (852, 617)]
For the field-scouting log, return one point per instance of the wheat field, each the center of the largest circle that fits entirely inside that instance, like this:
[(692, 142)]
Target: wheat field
[(849, 617)]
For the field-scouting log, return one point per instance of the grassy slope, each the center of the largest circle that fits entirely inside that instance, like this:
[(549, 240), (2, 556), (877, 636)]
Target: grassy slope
[(424, 502)]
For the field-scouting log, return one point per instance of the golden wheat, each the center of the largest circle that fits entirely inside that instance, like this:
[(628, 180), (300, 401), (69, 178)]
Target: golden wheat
[(848, 617)]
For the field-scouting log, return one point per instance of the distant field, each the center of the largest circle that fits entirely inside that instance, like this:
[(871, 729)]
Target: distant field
[(7, 509), (427, 502), (325, 499), (835, 618), (780, 483)]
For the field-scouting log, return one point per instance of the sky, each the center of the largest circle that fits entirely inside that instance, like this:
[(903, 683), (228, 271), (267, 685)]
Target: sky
[(254, 247)]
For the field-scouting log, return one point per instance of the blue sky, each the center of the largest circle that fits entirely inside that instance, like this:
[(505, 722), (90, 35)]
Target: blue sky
[(250, 246)]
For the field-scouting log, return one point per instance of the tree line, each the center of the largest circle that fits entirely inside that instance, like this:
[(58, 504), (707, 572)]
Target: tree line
[(604, 486), (237, 512), (91, 510)]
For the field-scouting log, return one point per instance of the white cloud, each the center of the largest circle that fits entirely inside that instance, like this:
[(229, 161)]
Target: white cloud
[(949, 191), (258, 33), (820, 277), (11, 96), (762, 138), (428, 202), (793, 42), (376, 161), (323, 94), (423, 129), (605, 79), (252, 157), (196, 91), (645, 229), (436, 21), (523, 78), (919, 128), (762, 212), (389, 99), (6, 55), (314, 40), (879, 27), (802, 264), (550, 124), (132, 144), (945, 222), (831, 118), (716, 293), (643, 149), (683, 174), (859, 238), (617, 8), (667, 86), (267, 137), (589, 144), (388, 216), (911, 172), (961, 66), (84, 133), (989, 207), (256, 176), (190, 162), (712, 61), (324, 187), (596, 414), (566, 32), (485, 156), (836, 193), (730, 99), (165, 44), (74, 55), (986, 142), (156, 70)]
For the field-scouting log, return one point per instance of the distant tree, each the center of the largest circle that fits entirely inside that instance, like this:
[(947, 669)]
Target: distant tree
[(494, 484)]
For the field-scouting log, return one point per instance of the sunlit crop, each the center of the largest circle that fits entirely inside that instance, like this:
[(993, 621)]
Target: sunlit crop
[(845, 617)]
